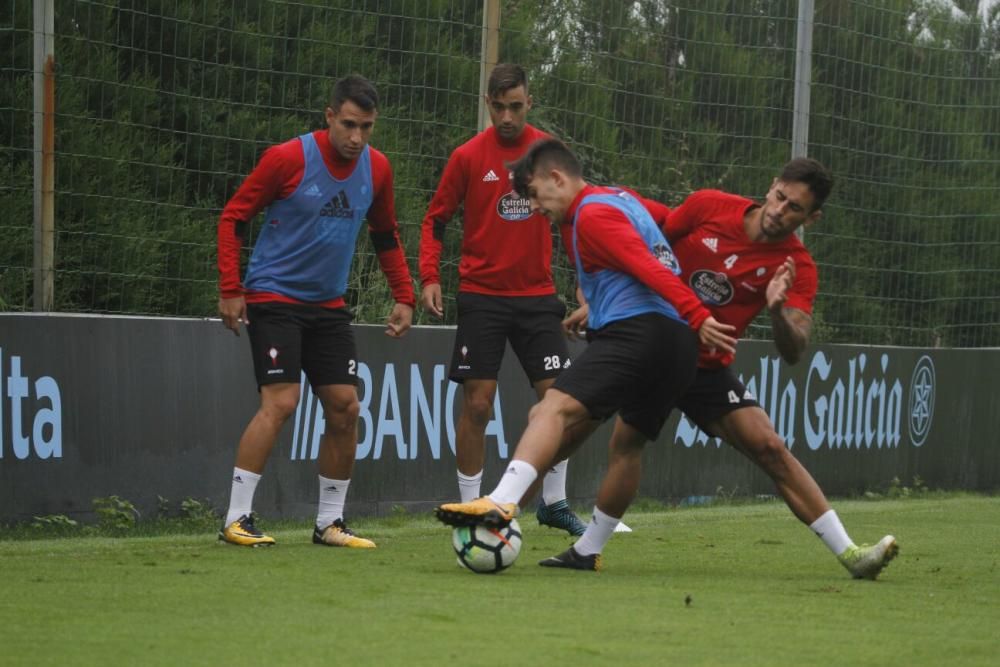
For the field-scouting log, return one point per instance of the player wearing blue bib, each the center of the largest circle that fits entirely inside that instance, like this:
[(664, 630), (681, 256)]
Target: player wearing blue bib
[(306, 246), (317, 190), (642, 351)]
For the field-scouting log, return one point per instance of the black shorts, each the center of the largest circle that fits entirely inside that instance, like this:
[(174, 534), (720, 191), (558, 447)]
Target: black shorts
[(714, 394), (288, 338), (532, 324), (637, 367)]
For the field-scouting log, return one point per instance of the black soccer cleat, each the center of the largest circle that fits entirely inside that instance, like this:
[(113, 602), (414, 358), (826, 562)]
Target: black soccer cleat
[(559, 515), (574, 561)]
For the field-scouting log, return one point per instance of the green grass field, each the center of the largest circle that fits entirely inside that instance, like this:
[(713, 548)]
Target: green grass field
[(763, 591)]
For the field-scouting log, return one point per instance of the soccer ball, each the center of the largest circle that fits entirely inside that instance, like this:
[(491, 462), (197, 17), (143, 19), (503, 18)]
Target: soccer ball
[(487, 550)]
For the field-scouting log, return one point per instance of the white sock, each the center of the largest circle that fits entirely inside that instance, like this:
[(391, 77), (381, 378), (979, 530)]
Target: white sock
[(598, 533), (554, 484), (829, 529), (332, 494), (241, 495), (468, 486), (514, 483)]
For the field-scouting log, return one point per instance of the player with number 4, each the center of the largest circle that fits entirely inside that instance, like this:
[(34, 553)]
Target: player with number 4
[(740, 257)]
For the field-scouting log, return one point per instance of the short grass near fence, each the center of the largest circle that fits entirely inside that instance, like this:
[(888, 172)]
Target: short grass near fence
[(717, 585)]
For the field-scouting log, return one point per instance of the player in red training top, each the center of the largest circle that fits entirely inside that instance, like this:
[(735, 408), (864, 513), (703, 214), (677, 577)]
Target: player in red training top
[(318, 190), (505, 288), (740, 257), (642, 352)]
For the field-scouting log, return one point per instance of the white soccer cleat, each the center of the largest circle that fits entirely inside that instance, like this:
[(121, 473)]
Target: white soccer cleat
[(868, 560)]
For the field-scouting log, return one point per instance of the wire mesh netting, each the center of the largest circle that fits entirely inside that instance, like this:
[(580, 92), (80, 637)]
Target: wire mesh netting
[(164, 106)]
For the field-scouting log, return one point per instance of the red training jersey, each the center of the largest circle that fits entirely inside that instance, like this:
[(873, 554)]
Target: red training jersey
[(506, 249), (727, 270), (606, 239), (275, 177)]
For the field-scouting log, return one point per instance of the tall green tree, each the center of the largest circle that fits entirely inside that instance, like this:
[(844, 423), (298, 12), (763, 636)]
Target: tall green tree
[(164, 107)]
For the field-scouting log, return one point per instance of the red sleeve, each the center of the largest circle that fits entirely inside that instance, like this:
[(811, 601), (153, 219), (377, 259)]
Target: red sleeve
[(659, 212), (803, 292), (276, 176), (384, 231), (449, 194), (607, 239), (682, 220)]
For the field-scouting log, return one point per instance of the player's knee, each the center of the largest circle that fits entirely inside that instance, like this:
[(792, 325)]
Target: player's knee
[(280, 407), (552, 406), (342, 414), (770, 451), (477, 408)]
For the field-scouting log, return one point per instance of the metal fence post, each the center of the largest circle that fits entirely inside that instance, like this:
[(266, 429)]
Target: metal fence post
[(803, 84), (803, 79)]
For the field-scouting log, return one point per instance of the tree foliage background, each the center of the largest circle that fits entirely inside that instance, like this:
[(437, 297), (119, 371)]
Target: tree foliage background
[(164, 106)]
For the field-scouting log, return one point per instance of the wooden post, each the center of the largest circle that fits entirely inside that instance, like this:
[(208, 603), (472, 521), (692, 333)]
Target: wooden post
[(489, 55), (45, 162)]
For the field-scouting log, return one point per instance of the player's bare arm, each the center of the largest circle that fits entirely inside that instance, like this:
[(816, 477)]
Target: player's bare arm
[(791, 326), (399, 320), (233, 311), (430, 297)]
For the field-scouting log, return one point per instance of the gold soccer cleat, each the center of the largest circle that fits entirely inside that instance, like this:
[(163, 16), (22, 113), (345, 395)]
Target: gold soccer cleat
[(243, 533), (475, 512), (337, 534)]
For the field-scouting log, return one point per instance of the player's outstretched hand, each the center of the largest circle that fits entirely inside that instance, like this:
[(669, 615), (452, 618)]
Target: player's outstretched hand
[(399, 320), (777, 289), (715, 335), (233, 311), (430, 298), (575, 325)]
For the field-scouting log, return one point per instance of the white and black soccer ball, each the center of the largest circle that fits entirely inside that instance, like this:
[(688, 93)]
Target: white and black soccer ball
[(487, 550)]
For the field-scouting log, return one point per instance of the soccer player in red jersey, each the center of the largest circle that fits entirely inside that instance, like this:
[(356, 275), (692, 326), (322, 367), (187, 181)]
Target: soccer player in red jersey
[(739, 257), (643, 344), (318, 189), (505, 292)]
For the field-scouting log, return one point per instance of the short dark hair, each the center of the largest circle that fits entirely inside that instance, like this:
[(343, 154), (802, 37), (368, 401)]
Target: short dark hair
[(543, 154), (813, 174), (357, 89), (504, 77)]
